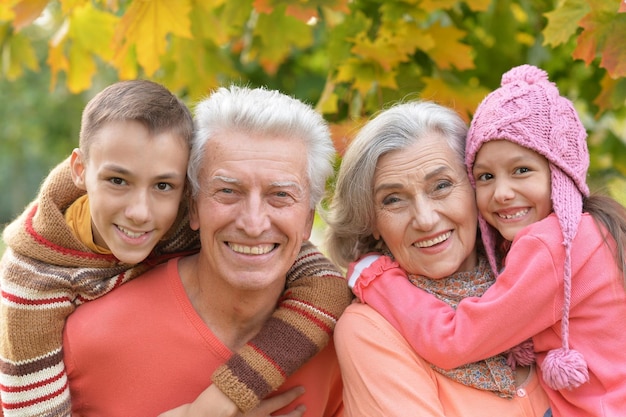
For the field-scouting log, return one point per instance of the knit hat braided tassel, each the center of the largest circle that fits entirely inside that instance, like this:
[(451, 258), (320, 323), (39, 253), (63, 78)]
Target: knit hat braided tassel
[(528, 110), (564, 367)]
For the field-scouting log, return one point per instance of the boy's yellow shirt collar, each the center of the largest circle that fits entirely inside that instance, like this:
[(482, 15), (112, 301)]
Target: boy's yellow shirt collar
[(78, 218)]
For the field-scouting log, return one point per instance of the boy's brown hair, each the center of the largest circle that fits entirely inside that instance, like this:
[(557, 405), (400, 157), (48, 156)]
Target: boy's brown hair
[(140, 100)]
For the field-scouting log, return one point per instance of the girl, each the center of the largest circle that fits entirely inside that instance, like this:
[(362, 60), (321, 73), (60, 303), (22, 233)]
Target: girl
[(558, 253)]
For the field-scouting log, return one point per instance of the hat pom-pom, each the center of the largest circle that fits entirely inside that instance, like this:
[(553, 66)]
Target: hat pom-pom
[(564, 368), (528, 74), (521, 355)]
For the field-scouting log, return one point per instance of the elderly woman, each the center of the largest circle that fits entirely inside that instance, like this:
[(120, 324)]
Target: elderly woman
[(403, 190)]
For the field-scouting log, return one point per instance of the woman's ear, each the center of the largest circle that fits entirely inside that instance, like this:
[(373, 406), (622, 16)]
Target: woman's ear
[(375, 232), (78, 167)]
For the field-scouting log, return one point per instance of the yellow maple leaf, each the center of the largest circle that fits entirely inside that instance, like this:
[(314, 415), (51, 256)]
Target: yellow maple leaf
[(146, 25), (57, 61), (448, 50), (563, 21), (6, 10), (380, 50), (67, 6), (83, 19), (19, 54), (81, 69)]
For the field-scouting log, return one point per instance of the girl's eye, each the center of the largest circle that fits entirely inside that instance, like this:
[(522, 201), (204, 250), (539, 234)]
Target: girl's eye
[(522, 170), (164, 186), (484, 177)]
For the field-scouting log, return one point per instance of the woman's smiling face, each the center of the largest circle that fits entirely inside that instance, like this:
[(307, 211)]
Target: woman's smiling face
[(425, 208)]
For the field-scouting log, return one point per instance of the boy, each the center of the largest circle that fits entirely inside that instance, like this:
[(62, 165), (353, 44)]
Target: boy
[(104, 216)]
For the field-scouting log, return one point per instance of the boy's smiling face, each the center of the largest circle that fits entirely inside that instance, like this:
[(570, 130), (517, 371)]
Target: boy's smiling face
[(135, 182)]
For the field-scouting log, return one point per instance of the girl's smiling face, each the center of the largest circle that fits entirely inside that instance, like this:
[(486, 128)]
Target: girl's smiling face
[(513, 186)]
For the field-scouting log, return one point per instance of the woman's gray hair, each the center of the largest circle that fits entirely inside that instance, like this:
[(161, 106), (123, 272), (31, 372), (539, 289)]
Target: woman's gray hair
[(351, 212), (263, 112)]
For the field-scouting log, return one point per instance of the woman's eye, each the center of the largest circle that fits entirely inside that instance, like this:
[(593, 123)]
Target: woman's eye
[(117, 181), (390, 200), (443, 185)]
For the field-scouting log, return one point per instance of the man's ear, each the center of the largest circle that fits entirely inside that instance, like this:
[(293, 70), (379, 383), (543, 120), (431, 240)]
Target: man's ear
[(308, 227), (194, 220), (78, 167)]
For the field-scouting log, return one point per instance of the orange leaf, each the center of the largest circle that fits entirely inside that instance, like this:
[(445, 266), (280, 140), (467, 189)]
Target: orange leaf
[(461, 97), (302, 12), (614, 53), (343, 133), (605, 101), (448, 50), (26, 11)]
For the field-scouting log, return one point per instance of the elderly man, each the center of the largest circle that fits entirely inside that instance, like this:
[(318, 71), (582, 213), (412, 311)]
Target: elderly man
[(258, 167)]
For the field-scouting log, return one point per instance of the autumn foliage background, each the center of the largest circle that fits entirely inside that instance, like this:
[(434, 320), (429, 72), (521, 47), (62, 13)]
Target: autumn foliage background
[(348, 58)]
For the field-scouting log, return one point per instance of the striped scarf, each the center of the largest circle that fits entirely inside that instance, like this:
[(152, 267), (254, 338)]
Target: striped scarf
[(46, 272)]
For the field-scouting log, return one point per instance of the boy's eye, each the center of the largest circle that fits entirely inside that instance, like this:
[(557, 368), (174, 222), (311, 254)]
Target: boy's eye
[(117, 181)]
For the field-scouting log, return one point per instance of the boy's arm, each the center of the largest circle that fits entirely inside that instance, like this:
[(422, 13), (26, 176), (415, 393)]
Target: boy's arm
[(35, 301), (33, 379), (301, 326)]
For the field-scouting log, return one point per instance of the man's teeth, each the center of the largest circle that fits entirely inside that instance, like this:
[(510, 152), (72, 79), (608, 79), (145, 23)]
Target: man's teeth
[(251, 250), (432, 242), (514, 215), (130, 233)]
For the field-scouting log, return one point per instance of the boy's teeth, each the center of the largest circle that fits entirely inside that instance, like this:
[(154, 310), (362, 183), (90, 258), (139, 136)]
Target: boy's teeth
[(130, 233)]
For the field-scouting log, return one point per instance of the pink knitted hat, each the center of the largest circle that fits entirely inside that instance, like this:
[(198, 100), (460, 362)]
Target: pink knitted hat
[(528, 110)]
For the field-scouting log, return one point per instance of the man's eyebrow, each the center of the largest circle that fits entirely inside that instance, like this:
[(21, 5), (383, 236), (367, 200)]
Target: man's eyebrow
[(222, 178), (291, 184)]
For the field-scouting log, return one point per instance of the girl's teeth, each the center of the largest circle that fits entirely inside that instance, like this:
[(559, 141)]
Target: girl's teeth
[(515, 215)]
